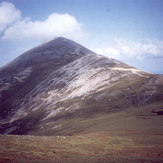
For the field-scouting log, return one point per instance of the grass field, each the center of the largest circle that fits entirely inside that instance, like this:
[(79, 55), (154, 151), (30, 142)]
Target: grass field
[(133, 135), (113, 146)]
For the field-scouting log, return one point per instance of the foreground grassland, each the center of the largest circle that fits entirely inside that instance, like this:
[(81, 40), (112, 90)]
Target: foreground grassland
[(134, 135), (108, 146)]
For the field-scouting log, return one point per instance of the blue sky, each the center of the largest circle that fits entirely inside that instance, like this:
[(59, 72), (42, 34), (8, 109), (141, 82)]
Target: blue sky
[(127, 30)]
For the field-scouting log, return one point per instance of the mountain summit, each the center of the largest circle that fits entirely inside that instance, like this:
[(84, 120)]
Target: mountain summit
[(61, 87), (57, 51)]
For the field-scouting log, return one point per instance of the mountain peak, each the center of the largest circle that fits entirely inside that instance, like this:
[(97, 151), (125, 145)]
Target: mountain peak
[(57, 50), (60, 38), (62, 81)]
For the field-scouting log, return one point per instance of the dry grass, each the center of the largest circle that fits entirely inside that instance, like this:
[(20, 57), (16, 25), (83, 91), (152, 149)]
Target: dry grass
[(115, 146)]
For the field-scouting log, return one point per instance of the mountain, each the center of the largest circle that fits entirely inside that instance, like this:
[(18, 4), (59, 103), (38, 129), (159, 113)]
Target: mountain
[(63, 88)]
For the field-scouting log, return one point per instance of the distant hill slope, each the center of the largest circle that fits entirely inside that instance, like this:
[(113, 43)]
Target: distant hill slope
[(61, 87)]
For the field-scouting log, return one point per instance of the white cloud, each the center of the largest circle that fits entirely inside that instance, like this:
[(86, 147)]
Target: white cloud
[(111, 51), (8, 15), (129, 50), (55, 25)]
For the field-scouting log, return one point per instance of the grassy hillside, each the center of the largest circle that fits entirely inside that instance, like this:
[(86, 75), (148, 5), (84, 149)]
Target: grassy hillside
[(124, 105), (133, 135)]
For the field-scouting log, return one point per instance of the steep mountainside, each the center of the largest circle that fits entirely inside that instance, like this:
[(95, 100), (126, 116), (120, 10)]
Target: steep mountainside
[(63, 88)]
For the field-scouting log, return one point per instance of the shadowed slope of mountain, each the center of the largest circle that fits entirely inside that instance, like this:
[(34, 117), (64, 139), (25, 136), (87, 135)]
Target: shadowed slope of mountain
[(63, 88), (60, 50), (25, 72)]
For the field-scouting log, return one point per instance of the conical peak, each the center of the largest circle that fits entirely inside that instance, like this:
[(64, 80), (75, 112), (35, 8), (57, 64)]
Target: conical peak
[(57, 50), (65, 45), (56, 39), (62, 41), (60, 38)]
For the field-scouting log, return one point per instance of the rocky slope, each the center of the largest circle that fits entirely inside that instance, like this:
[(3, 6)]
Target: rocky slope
[(55, 87)]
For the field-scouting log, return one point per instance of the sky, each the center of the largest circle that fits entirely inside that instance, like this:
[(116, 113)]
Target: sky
[(128, 30)]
